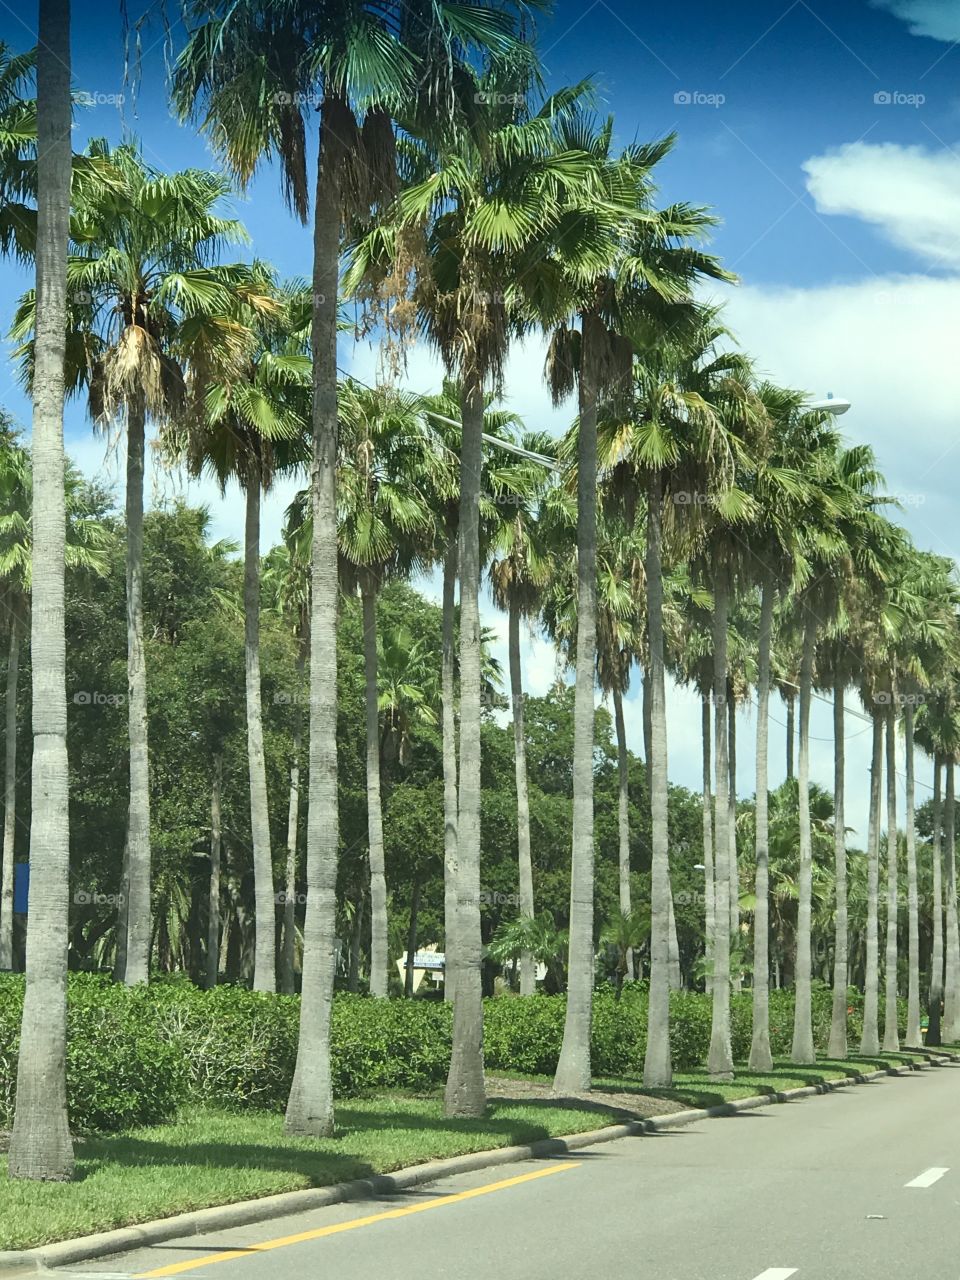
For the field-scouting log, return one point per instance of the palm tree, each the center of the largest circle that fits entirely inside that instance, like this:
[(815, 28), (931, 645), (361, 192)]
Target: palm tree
[(951, 1011), (842, 538), (779, 491), (519, 571), (891, 1038), (928, 599), (251, 70), (287, 583), (500, 186), (637, 267), (142, 244), (443, 411), (691, 398), (870, 1036), (249, 422), (385, 526), (935, 733), (40, 1144), (14, 556), (18, 151), (626, 932), (86, 540)]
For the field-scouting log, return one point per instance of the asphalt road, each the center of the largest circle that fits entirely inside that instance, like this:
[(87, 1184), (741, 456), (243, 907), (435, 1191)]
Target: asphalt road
[(862, 1184)]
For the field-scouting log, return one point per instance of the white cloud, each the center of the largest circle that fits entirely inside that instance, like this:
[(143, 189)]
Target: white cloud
[(939, 19), (887, 346), (912, 195)]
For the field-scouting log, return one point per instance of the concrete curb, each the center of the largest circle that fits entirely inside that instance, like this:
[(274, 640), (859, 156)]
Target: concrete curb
[(244, 1213)]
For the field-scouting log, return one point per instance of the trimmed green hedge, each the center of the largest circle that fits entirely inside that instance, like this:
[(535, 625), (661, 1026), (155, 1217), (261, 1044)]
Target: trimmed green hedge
[(135, 1055), (121, 1069)]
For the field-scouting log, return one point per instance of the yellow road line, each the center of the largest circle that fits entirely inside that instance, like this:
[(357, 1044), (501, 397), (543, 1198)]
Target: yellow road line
[(179, 1268)]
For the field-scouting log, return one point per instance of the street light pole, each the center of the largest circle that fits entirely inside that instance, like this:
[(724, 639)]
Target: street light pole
[(832, 404), (507, 445)]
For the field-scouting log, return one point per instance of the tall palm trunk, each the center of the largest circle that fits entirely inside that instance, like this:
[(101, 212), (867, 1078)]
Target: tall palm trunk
[(137, 966), (913, 1038), (837, 1047), (951, 1019), (288, 981), (265, 943), (720, 1057), (465, 1093), (891, 1038), (528, 972), (657, 1066), (761, 1058), (802, 1050), (310, 1107), (120, 956), (936, 958), (573, 1073), (791, 732), (732, 828), (647, 715), (212, 968), (379, 948), (623, 804), (708, 893), (412, 933), (673, 970), (870, 1036), (448, 699), (353, 975), (40, 1145), (9, 798)]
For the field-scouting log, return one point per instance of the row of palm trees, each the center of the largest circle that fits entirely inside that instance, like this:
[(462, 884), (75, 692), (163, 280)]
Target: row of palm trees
[(470, 211)]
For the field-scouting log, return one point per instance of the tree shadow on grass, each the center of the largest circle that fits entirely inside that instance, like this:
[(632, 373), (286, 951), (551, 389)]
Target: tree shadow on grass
[(330, 1160), (319, 1167)]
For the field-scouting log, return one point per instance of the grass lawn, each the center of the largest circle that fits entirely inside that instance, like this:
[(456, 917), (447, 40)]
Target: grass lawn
[(697, 1089), (210, 1158)]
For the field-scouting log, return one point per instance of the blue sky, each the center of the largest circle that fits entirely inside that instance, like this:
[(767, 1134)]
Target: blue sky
[(825, 136)]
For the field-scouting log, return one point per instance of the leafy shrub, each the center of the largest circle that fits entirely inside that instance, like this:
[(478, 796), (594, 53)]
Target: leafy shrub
[(239, 1047), (389, 1044), (134, 1055), (523, 1033), (121, 1071)]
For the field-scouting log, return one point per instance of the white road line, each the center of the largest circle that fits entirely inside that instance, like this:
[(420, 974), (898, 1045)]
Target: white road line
[(777, 1273), (927, 1178)]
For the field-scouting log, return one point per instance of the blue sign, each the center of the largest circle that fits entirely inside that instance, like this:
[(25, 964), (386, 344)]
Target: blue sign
[(21, 887)]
